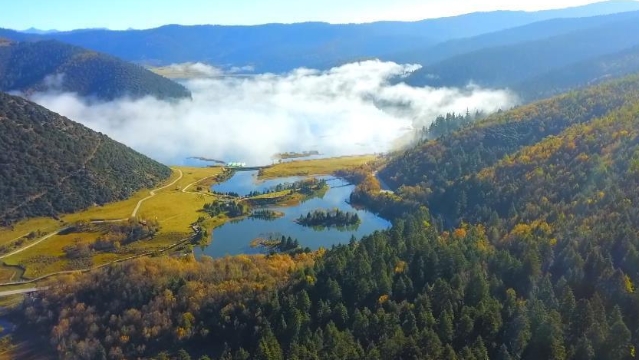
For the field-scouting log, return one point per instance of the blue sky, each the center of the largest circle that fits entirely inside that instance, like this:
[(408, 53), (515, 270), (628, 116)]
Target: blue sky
[(141, 14)]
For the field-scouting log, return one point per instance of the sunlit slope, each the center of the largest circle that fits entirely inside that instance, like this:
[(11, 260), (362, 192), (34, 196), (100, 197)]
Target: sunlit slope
[(588, 171), (431, 171)]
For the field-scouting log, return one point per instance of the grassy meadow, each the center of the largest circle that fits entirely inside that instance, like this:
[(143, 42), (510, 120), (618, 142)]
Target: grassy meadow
[(315, 167), (175, 207)]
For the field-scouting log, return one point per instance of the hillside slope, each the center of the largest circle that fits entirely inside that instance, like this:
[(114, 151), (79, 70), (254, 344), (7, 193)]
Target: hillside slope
[(431, 171), (51, 165), (590, 171), (45, 65), (509, 65)]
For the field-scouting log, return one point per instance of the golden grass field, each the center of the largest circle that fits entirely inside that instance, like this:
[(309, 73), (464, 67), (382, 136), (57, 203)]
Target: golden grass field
[(9, 273), (25, 227), (315, 167), (116, 210), (175, 208), (53, 247)]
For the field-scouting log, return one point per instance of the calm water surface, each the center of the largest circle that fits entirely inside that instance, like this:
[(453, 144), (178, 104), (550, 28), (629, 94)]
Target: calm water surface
[(235, 237)]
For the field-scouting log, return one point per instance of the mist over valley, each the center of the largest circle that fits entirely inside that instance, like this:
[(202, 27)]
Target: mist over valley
[(357, 108)]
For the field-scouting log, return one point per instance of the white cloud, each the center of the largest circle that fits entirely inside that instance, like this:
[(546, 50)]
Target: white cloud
[(242, 69), (54, 81), (194, 69), (351, 109)]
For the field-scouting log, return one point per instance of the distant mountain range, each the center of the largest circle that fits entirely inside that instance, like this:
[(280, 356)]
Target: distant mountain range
[(534, 53), (531, 32), (52, 65), (579, 75), (280, 48), (506, 66), (52, 165), (33, 30)]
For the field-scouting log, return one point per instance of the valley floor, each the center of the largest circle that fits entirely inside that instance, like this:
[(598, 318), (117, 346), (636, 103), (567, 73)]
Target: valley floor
[(38, 248)]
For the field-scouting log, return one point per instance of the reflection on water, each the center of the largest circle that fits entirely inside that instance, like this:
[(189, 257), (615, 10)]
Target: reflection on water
[(235, 237), (244, 182)]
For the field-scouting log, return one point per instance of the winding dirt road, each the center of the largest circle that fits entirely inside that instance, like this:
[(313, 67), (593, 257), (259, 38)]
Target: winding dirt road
[(135, 211), (152, 194), (195, 182), (34, 243)]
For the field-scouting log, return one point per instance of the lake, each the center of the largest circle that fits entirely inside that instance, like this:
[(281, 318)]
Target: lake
[(244, 182), (235, 237)]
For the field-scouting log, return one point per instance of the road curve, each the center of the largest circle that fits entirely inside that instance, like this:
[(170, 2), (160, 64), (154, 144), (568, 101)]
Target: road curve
[(152, 194), (195, 182), (135, 211)]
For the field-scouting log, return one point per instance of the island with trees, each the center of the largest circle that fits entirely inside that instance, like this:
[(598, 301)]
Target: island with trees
[(329, 218), (267, 214), (274, 245)]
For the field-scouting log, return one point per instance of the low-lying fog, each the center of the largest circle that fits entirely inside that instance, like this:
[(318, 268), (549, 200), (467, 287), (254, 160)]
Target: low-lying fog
[(353, 109)]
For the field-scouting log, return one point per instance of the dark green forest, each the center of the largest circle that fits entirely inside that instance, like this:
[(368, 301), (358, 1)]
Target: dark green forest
[(51, 165), (321, 218), (52, 65)]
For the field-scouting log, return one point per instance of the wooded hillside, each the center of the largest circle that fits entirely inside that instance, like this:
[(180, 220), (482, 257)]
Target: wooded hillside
[(52, 65), (51, 165)]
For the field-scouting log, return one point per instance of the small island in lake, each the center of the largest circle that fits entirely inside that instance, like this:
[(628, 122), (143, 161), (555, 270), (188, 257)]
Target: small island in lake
[(265, 214), (329, 218), (279, 246)]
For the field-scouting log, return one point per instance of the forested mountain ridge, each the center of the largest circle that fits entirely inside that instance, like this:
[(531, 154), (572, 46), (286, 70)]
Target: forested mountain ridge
[(582, 176), (52, 65), (52, 165), (507, 66), (588, 171), (429, 169)]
